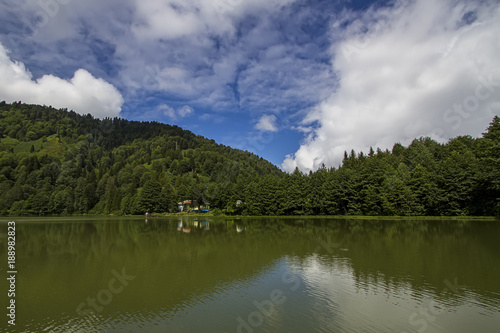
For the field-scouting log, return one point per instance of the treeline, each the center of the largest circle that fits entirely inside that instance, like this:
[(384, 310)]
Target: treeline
[(426, 178), (59, 162)]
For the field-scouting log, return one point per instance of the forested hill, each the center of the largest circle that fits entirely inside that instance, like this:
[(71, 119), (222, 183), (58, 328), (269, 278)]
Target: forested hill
[(59, 162), (55, 161)]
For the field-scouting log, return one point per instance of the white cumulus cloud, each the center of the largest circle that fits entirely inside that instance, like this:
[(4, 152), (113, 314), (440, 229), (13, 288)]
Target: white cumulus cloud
[(421, 68), (166, 111), (83, 93), (185, 111), (171, 19), (267, 123)]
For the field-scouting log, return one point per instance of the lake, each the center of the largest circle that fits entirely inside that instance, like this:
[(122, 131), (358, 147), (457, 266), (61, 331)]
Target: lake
[(197, 274)]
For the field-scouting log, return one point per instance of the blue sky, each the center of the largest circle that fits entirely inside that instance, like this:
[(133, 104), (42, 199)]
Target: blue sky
[(296, 82)]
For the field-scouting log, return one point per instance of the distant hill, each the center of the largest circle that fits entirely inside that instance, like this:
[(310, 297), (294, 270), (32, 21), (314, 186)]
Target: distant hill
[(59, 162)]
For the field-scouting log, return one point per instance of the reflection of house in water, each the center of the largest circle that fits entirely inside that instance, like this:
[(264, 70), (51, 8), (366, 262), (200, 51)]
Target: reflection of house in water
[(193, 206), (205, 225), (180, 227), (193, 226)]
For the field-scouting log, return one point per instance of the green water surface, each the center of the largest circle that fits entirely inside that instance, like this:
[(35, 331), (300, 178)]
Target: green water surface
[(250, 275)]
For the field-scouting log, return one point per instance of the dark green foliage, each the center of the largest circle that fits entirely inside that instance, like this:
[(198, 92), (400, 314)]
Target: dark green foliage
[(59, 162), (151, 198), (461, 177)]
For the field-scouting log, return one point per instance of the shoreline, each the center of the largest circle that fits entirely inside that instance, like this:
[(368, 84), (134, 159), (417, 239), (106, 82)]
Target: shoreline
[(296, 217)]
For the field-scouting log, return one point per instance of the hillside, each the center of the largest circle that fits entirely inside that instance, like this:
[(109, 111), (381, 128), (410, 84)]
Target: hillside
[(59, 162)]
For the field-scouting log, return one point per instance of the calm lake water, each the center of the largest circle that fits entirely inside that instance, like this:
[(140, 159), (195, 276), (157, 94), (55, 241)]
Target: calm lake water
[(253, 275)]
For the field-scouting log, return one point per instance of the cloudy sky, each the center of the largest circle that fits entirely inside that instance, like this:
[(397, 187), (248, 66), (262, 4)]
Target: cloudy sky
[(297, 82)]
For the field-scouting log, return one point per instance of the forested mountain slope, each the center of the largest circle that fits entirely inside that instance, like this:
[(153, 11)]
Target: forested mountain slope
[(59, 162), (55, 161)]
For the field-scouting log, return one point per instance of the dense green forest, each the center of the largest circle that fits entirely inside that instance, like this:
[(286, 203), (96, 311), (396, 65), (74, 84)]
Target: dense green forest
[(59, 162)]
